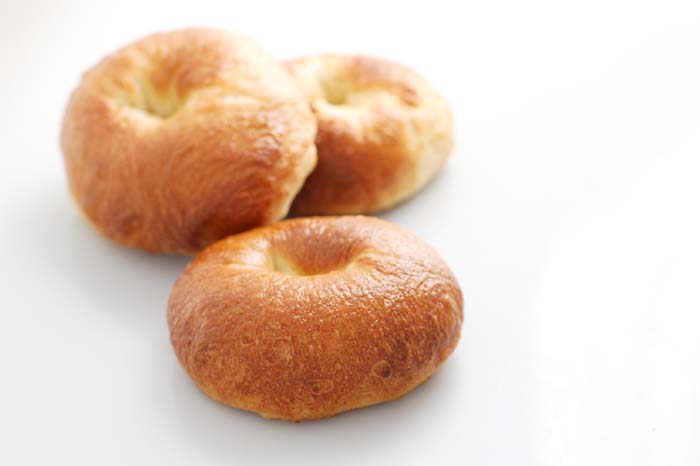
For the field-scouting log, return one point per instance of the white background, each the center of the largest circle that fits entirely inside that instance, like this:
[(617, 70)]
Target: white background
[(569, 212)]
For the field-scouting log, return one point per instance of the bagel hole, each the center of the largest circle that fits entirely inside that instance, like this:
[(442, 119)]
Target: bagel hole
[(336, 92), (159, 105), (311, 249), (282, 265), (162, 108)]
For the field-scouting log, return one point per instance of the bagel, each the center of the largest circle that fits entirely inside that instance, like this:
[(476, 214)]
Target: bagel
[(185, 137), (383, 133), (313, 316)]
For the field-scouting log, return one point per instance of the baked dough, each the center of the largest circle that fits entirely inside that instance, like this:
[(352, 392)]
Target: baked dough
[(314, 316), (383, 133), (185, 137)]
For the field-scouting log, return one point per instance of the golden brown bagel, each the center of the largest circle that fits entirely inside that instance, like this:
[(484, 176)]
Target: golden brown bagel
[(383, 133), (314, 316), (185, 137)]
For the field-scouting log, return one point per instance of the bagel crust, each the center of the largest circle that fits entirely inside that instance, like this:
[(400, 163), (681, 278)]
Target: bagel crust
[(383, 133), (185, 137), (314, 316)]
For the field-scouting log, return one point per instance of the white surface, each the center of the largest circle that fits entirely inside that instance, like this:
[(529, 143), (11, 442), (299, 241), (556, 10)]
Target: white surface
[(569, 212)]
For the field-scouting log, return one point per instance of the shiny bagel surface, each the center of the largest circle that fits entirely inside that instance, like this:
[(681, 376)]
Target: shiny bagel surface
[(185, 137), (383, 133), (311, 317)]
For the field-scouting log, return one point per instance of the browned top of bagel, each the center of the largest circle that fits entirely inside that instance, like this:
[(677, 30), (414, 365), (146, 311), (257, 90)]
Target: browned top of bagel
[(184, 137), (313, 316), (383, 133)]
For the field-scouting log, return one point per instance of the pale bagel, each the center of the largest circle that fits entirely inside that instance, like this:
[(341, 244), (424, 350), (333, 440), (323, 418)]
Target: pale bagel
[(383, 133)]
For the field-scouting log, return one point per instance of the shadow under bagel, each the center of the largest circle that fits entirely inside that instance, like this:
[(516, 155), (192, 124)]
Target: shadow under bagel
[(113, 276), (224, 432)]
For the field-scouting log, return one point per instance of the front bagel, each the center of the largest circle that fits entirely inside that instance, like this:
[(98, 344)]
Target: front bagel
[(182, 138), (383, 133), (310, 317)]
